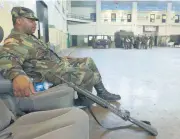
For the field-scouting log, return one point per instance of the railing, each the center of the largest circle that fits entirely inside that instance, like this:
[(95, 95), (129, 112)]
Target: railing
[(81, 17)]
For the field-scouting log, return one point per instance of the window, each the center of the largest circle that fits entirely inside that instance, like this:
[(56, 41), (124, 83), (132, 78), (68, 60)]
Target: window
[(129, 18), (113, 17), (93, 17), (163, 18), (152, 18), (176, 18)]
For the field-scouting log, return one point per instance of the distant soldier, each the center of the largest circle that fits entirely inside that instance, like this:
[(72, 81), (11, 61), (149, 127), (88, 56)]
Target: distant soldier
[(126, 42), (132, 42), (122, 42), (144, 41), (138, 41), (151, 41)]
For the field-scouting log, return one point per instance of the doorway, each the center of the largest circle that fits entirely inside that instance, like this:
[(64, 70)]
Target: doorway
[(74, 40), (42, 14)]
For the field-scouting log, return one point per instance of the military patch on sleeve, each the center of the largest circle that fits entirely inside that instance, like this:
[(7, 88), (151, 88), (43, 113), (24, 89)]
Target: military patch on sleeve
[(10, 40)]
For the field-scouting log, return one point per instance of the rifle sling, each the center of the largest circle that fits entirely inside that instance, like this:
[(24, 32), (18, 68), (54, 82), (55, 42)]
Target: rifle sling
[(109, 128)]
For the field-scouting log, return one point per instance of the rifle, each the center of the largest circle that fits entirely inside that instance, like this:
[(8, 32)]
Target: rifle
[(105, 104)]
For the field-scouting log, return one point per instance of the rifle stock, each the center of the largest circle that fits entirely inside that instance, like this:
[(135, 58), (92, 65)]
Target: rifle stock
[(103, 103)]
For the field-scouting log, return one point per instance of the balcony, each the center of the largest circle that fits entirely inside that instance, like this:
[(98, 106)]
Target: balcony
[(74, 18)]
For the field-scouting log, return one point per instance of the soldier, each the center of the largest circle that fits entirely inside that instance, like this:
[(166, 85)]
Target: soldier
[(138, 41), (150, 41), (122, 42), (126, 42), (145, 41), (24, 56), (132, 42)]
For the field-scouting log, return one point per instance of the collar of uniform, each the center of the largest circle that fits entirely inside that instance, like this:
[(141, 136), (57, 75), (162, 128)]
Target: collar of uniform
[(13, 31)]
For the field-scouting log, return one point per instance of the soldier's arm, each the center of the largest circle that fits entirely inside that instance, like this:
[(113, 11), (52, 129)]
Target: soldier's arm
[(12, 56)]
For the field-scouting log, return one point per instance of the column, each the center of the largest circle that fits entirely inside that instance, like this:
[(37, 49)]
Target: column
[(134, 17), (68, 7), (98, 16), (169, 16)]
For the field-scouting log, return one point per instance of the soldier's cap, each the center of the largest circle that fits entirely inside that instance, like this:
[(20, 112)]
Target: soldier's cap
[(23, 12)]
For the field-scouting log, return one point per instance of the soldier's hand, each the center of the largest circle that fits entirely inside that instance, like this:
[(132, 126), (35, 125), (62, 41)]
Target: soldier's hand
[(22, 86)]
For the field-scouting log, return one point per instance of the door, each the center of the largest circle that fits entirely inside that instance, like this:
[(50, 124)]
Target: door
[(74, 40), (93, 17), (42, 14)]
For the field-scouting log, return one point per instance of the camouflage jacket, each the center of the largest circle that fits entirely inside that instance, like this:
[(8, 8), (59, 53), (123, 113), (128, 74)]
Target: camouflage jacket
[(23, 53)]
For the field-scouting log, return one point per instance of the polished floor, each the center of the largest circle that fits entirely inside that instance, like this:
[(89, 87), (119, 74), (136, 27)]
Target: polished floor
[(149, 84)]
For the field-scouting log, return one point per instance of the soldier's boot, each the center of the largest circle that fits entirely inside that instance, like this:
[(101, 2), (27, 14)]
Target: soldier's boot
[(104, 94)]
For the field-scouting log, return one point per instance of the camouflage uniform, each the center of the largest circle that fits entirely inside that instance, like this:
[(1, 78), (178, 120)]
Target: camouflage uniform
[(25, 54), (150, 41)]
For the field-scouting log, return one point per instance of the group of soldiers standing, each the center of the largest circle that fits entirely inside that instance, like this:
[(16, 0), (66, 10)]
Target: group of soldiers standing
[(139, 42)]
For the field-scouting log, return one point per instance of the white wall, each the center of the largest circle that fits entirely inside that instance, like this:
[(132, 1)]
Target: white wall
[(5, 14), (91, 29), (56, 17), (82, 29), (68, 6), (59, 20), (84, 11), (174, 30), (110, 29), (139, 18), (144, 17)]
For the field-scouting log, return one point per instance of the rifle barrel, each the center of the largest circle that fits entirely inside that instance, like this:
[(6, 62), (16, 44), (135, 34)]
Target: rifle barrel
[(112, 108)]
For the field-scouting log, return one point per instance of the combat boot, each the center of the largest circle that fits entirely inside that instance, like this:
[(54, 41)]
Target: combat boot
[(104, 94)]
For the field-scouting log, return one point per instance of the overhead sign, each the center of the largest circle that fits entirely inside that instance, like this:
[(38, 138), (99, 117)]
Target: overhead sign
[(150, 28), (152, 6), (116, 5)]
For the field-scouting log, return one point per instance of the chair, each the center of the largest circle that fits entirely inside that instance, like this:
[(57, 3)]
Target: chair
[(64, 97)]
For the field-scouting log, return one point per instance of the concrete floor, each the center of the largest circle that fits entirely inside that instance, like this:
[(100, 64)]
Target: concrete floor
[(149, 84)]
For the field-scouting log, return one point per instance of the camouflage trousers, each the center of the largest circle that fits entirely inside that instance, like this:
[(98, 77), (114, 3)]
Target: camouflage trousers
[(81, 71)]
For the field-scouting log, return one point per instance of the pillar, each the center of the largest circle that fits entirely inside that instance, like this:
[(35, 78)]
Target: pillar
[(134, 17), (98, 16)]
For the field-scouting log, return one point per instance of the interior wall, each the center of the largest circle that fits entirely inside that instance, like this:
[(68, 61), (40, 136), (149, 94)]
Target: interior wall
[(110, 29), (91, 29), (144, 17), (83, 11), (139, 17), (121, 16), (82, 29), (80, 40), (5, 22), (174, 30), (59, 22)]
